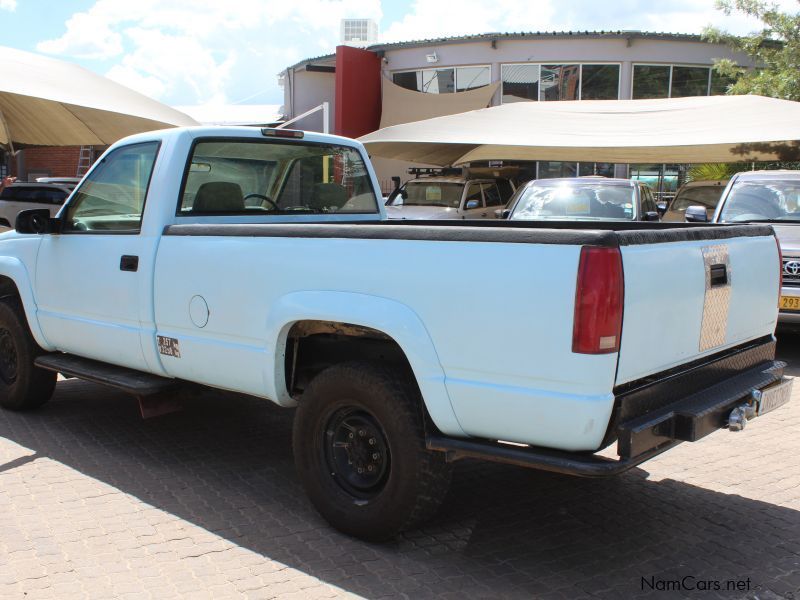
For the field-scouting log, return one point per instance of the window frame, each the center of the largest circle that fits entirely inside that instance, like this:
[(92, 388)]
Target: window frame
[(710, 68), (73, 196), (455, 76), (249, 218), (580, 65)]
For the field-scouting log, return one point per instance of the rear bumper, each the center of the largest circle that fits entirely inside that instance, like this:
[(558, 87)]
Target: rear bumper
[(653, 415)]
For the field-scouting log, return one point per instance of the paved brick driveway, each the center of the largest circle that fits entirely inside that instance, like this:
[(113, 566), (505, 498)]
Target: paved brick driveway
[(96, 503)]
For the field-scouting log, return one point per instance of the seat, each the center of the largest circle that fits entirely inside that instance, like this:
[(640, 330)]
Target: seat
[(325, 196), (218, 197)]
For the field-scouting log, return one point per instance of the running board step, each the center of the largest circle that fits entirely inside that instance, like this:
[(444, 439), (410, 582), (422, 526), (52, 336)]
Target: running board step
[(134, 382)]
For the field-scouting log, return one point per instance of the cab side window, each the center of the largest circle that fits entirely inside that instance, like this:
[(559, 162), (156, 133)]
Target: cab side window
[(111, 198), (492, 194), (473, 193)]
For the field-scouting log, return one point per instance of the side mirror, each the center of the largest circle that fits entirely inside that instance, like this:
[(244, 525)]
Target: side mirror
[(36, 221), (696, 214), (662, 207), (502, 213), (652, 216), (472, 204)]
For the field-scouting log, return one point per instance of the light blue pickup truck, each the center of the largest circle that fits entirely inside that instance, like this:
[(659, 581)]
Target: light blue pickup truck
[(260, 261)]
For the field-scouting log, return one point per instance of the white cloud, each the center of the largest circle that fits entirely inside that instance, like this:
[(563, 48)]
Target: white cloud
[(433, 18), (200, 51), (10, 5)]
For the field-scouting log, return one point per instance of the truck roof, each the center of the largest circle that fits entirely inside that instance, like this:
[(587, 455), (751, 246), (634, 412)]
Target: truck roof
[(235, 132)]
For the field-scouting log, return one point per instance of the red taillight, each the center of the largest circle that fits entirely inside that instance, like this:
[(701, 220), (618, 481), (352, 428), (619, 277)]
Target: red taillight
[(599, 293), (780, 270)]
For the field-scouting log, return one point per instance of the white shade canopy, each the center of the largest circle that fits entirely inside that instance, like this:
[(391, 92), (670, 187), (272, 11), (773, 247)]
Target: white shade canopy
[(682, 130), (49, 102)]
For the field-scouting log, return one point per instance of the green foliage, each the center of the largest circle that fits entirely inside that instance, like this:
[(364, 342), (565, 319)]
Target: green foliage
[(713, 171), (775, 50)]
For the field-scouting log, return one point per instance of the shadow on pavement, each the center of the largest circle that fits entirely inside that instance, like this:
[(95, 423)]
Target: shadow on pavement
[(225, 464)]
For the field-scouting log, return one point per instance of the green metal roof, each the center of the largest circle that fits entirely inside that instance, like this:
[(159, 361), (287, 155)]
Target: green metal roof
[(521, 35)]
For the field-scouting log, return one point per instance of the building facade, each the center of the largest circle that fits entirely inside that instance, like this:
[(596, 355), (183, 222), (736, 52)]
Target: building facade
[(522, 67)]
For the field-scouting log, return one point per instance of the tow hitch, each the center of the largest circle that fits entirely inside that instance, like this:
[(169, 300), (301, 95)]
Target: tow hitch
[(760, 402)]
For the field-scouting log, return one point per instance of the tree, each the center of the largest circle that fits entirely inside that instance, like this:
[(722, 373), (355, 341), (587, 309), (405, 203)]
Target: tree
[(775, 50)]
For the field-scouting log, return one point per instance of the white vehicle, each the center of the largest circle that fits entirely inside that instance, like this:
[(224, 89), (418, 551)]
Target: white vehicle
[(26, 196), (261, 262), (768, 197)]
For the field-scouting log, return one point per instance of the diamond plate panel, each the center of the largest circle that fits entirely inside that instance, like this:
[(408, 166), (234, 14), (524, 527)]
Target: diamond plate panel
[(717, 299)]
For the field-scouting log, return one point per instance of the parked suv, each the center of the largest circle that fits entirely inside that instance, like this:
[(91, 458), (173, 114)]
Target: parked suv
[(448, 197), (768, 197), (24, 196), (695, 193)]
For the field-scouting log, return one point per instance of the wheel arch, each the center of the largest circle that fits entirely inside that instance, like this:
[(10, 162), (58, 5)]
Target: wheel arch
[(393, 321), (14, 281)]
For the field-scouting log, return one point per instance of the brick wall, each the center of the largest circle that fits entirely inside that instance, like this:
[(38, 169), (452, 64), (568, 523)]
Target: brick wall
[(51, 161)]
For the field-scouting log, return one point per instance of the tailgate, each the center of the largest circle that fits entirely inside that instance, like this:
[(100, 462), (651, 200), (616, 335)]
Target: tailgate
[(692, 292)]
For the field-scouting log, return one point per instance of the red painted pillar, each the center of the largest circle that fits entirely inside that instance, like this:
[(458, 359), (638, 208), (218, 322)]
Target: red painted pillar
[(358, 92)]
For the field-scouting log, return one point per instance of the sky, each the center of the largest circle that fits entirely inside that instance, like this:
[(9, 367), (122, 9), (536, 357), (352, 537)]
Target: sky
[(212, 52)]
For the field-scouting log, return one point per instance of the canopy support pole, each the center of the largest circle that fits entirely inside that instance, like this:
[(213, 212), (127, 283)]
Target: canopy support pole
[(8, 134)]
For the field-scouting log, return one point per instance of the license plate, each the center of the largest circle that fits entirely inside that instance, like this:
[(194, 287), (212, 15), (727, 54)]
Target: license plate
[(790, 303), (774, 396)]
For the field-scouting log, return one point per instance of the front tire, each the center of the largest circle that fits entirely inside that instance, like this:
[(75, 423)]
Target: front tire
[(23, 386), (360, 451)]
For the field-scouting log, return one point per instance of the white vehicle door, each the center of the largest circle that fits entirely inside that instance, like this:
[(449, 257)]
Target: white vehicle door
[(89, 276), (472, 206)]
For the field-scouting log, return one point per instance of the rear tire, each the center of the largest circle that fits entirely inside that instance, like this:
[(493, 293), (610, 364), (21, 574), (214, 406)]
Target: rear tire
[(360, 451), (23, 386)]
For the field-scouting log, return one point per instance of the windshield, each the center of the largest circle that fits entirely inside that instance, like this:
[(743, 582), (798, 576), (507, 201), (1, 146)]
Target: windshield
[(576, 201), (762, 200), (433, 193), (706, 196)]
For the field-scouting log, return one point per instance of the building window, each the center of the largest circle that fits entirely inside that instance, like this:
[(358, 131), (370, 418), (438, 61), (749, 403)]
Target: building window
[(469, 78), (676, 81), (689, 81), (559, 82), (549, 169), (520, 83), (411, 80), (599, 82), (720, 83), (650, 81), (443, 81), (438, 81)]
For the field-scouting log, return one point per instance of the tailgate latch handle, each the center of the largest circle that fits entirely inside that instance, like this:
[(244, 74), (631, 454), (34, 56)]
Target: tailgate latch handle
[(718, 275)]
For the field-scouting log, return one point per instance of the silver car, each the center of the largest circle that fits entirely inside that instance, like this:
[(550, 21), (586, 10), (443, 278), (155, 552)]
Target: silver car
[(770, 197), (446, 197), (583, 199)]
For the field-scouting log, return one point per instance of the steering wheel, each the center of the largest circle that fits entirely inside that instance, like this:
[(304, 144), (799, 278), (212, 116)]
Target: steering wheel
[(263, 197)]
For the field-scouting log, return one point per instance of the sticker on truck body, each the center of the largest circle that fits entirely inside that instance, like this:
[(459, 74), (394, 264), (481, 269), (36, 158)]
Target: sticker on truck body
[(716, 302), (168, 346)]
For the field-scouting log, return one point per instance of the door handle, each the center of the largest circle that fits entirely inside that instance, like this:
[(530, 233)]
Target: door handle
[(129, 263), (718, 275)]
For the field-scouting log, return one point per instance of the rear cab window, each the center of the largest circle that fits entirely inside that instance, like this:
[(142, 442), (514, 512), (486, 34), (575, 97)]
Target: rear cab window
[(264, 177)]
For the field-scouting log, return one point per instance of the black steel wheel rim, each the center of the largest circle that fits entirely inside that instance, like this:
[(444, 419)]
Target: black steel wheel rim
[(8, 357), (356, 452)]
